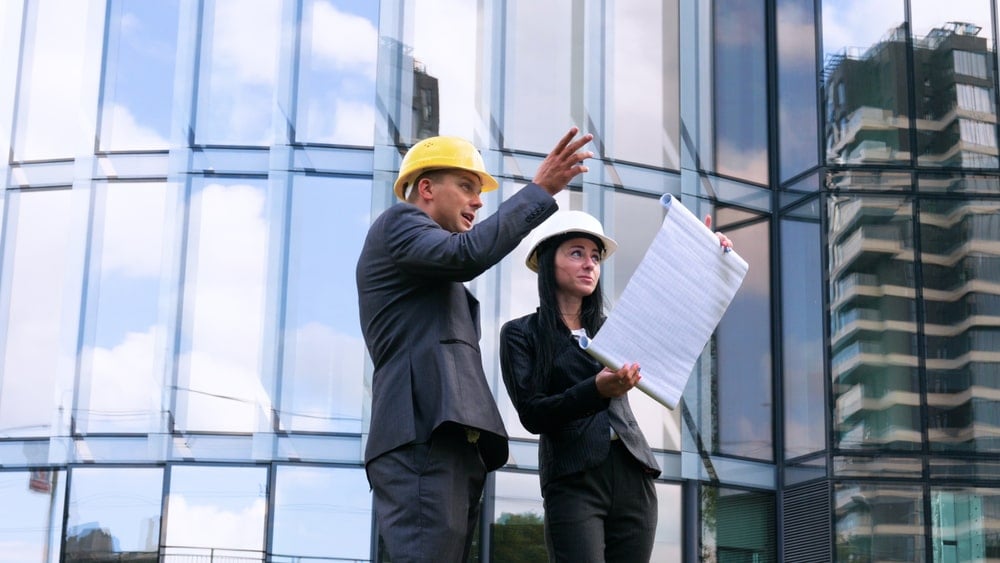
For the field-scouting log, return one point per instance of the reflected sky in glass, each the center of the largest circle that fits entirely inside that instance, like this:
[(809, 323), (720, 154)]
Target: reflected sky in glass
[(643, 82), (322, 512), (336, 89), (120, 503), (743, 342), (324, 354), (51, 75), (224, 308), (218, 507), (37, 248), (536, 116), (797, 111), (139, 75), (29, 518), (125, 328), (740, 90), (239, 66), (802, 341)]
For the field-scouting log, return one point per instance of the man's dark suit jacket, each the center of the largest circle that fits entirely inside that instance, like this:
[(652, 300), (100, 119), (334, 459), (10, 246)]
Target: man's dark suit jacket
[(421, 325), (574, 421)]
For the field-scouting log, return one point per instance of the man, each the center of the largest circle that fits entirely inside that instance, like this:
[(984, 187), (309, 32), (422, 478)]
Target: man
[(435, 429)]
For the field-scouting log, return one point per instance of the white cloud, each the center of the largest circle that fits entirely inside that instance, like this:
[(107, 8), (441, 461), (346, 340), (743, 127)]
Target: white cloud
[(133, 238), (125, 132), (322, 378), (206, 525), (129, 369), (245, 40), (344, 41), (353, 123)]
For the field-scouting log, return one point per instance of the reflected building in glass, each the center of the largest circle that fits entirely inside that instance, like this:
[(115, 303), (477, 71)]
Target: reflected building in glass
[(188, 183)]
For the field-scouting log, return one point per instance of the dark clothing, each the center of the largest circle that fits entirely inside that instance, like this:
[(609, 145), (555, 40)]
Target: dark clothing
[(421, 327), (427, 496), (606, 513), (575, 425)]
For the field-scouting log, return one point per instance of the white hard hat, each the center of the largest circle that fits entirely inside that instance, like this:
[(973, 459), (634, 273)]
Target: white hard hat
[(565, 222)]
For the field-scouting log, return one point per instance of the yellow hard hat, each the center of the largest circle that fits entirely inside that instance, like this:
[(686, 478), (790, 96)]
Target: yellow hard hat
[(566, 222), (436, 153)]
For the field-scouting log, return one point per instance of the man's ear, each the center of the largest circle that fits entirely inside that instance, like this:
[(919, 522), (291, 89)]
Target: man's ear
[(424, 189)]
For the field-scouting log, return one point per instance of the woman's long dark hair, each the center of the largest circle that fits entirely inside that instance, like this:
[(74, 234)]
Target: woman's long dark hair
[(551, 329)]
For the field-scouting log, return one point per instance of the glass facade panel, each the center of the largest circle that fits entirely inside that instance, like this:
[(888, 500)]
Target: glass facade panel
[(533, 116), (802, 327), (215, 511), (518, 529), (324, 353), (336, 82), (955, 90), (139, 77), (669, 523), (961, 274), (879, 523), (322, 512), (440, 70), (865, 76), (126, 322), (644, 80), (740, 90), (798, 121), (240, 46), (873, 329), (35, 269), (743, 348), (52, 64), (966, 523), (114, 514), (958, 183), (737, 526), (220, 382), (32, 514)]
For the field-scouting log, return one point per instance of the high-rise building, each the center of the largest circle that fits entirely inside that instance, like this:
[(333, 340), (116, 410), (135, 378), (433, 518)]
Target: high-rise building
[(187, 185)]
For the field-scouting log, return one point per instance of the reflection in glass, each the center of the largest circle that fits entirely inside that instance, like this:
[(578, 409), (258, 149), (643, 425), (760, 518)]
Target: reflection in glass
[(669, 524), (866, 105), (534, 117), (633, 221), (737, 525), (958, 183), (517, 528), (965, 524), (740, 90), (122, 383), (743, 346), (802, 340), (322, 512), (220, 387), (339, 44), (51, 75), (797, 118), (139, 75), (239, 68), (961, 277), (36, 264), (954, 80), (114, 514), (443, 86), (324, 354), (873, 323), (879, 523), (219, 508), (644, 82), (32, 515)]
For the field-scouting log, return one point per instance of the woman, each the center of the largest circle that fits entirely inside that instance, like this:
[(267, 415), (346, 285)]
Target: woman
[(595, 466)]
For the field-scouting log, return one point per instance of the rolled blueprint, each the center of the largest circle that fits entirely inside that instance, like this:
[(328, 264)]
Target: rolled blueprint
[(671, 305)]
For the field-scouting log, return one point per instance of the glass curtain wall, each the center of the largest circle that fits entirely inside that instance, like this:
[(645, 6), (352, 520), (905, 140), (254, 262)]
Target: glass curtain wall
[(911, 145)]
